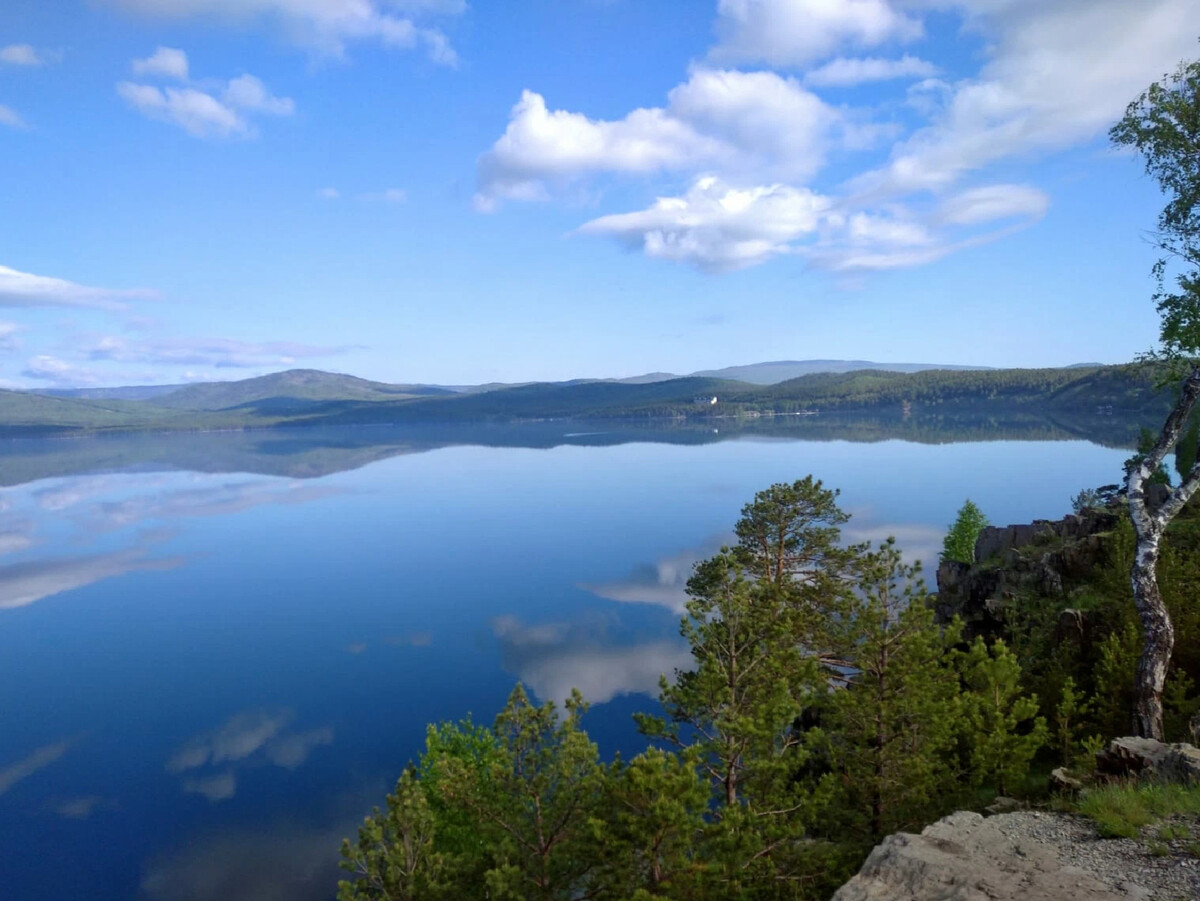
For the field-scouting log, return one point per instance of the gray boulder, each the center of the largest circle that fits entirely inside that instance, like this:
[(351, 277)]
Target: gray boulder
[(1150, 759), (964, 857)]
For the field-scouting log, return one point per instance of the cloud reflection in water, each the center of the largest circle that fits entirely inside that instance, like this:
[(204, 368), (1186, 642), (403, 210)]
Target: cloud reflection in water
[(551, 659)]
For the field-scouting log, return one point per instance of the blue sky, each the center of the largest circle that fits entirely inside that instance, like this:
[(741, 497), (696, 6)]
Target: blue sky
[(458, 192)]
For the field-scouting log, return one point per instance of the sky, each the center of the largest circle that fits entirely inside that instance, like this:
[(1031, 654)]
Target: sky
[(466, 191)]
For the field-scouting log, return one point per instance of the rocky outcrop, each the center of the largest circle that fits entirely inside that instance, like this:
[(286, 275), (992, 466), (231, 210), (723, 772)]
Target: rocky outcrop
[(1044, 558), (1150, 759), (965, 857)]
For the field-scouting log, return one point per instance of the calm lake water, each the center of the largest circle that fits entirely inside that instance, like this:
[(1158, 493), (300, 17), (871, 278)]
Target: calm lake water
[(217, 652)]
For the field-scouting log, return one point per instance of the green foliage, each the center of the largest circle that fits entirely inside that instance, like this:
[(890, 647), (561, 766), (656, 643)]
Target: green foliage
[(1186, 447), (394, 856), (959, 543), (653, 826), (893, 727), (1163, 126), (823, 708), (1114, 674), (1146, 441), (1004, 728), (1121, 810), (1070, 715)]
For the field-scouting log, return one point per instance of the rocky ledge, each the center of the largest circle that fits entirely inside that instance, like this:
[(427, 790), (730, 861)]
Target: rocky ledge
[(1026, 856)]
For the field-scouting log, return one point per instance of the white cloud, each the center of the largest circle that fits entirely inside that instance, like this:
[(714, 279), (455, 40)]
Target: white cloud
[(993, 202), (1041, 88), (768, 122), (8, 337), (329, 193), (542, 148), (165, 61), (21, 55), (754, 143), (24, 289), (796, 32), (199, 114), (743, 121), (222, 111), (717, 227), (221, 353), (10, 117), (248, 93), (843, 72), (325, 26)]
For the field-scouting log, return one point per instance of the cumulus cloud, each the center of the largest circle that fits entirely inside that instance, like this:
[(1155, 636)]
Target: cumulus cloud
[(24, 289), (796, 32), (843, 72), (35, 761), (10, 117), (249, 94), (744, 121), (326, 26), (221, 114), (716, 227), (542, 148), (752, 145), (22, 55), (168, 62)]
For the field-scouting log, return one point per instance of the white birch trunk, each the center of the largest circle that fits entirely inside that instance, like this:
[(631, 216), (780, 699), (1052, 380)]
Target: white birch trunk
[(1158, 635)]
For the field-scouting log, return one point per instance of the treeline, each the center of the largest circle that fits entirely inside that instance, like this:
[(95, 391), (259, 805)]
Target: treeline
[(823, 709)]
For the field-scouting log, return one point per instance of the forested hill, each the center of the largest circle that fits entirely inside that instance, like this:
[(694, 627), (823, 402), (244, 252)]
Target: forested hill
[(305, 397)]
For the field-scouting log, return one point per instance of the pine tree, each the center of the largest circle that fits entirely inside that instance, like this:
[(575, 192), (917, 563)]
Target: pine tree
[(1003, 728), (893, 726), (959, 544)]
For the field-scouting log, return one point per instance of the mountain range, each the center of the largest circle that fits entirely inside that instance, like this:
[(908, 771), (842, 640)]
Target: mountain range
[(305, 397)]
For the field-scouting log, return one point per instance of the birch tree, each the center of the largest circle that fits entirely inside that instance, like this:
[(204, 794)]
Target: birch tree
[(1163, 126)]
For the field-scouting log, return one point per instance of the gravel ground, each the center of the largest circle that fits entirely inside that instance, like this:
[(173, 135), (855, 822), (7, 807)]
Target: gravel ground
[(1124, 865)]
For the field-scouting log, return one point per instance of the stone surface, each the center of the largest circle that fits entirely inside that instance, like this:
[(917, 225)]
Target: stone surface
[(1062, 781), (1044, 557), (1003, 805), (965, 857), (1147, 758)]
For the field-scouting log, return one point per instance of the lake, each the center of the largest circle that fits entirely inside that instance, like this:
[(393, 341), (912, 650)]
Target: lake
[(217, 651)]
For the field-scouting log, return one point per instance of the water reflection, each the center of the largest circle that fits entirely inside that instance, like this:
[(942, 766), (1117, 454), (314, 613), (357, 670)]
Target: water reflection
[(551, 659), (275, 863), (251, 737), (27, 582), (267, 628), (27, 766)]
